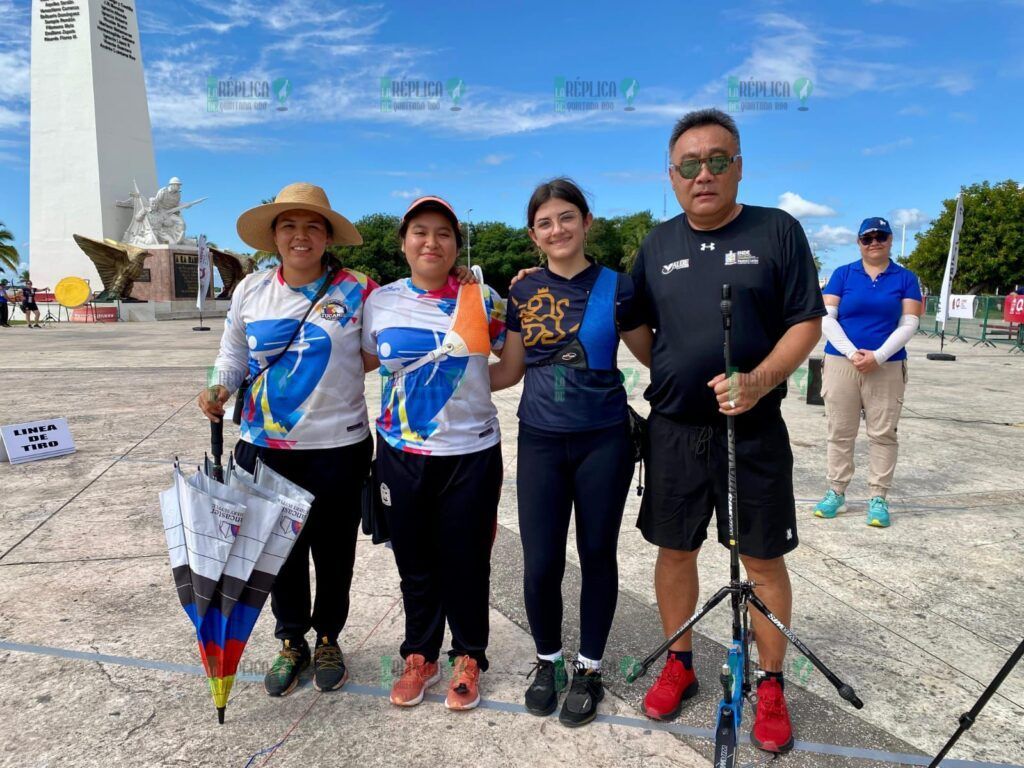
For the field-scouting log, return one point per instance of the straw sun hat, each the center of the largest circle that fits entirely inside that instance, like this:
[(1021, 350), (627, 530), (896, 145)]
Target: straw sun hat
[(254, 226)]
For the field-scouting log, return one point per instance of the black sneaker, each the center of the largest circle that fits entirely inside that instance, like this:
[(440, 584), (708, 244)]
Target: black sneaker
[(550, 680), (580, 705), (284, 673), (329, 672)]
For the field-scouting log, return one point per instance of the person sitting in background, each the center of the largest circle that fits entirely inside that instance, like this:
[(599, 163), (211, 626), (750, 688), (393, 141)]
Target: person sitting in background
[(873, 307)]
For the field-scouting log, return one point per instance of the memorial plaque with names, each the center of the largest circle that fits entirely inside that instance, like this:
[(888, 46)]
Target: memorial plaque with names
[(186, 275), (59, 19), (146, 276), (114, 29)]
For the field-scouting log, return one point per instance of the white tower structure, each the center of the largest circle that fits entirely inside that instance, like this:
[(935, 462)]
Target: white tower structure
[(90, 131)]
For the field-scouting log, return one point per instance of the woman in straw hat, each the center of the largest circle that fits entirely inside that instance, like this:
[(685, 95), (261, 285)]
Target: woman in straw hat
[(438, 466), (303, 414)]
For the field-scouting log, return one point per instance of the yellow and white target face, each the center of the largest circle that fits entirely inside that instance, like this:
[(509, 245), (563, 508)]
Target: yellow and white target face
[(72, 292)]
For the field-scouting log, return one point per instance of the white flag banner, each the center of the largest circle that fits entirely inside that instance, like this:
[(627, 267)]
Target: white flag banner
[(205, 272), (962, 306), (951, 263)]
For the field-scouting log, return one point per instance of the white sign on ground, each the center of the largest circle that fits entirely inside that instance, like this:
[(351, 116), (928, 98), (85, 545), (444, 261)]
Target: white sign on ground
[(35, 440)]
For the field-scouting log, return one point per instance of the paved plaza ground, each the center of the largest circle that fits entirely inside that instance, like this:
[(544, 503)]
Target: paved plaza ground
[(98, 662)]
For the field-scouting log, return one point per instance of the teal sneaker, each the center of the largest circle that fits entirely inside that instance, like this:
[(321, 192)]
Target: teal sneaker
[(878, 512), (831, 505)]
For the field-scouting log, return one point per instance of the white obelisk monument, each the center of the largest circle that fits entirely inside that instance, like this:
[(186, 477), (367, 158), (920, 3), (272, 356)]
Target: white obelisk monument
[(90, 131)]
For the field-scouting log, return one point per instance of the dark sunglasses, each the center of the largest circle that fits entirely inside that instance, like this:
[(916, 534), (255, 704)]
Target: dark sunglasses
[(717, 164), (868, 239)]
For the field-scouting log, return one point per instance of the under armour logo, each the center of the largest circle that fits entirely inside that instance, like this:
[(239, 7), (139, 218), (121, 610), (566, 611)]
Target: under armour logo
[(707, 246)]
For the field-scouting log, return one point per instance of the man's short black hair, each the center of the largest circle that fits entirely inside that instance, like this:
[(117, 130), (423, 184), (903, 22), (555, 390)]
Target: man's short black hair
[(700, 117)]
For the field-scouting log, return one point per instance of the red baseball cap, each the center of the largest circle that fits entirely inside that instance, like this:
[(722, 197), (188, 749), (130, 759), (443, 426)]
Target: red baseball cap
[(439, 204)]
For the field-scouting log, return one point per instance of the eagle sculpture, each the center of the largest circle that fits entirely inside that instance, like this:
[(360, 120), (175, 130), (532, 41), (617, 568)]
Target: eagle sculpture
[(118, 264), (232, 268)]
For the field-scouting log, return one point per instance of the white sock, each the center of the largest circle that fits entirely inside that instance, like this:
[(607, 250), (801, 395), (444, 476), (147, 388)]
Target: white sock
[(589, 663), (550, 656)]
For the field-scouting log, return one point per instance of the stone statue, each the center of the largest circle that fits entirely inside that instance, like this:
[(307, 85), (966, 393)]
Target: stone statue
[(158, 222)]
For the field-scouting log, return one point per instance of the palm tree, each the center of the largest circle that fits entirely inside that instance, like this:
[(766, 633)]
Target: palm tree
[(23, 275), (8, 253)]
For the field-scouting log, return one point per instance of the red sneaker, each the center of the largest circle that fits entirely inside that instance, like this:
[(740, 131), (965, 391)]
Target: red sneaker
[(675, 684), (464, 688), (772, 730), (419, 675)]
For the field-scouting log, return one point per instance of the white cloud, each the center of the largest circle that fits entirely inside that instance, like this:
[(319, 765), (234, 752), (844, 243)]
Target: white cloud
[(956, 83), (884, 149), (796, 206), (914, 218), (14, 64), (408, 194), (913, 110), (495, 159), (832, 236)]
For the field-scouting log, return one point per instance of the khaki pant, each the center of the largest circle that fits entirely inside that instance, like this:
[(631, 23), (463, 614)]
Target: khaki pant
[(880, 393)]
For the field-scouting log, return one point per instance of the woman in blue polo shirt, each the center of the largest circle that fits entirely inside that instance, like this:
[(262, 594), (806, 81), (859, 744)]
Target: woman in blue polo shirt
[(873, 308), (563, 326)]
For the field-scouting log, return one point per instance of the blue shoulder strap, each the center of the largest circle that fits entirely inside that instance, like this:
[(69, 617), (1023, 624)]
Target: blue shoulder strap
[(597, 333)]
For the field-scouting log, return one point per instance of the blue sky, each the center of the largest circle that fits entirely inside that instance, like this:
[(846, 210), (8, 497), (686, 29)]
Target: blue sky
[(909, 101)]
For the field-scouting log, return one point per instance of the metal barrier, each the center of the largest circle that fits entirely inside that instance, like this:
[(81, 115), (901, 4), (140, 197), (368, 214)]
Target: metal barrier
[(987, 327)]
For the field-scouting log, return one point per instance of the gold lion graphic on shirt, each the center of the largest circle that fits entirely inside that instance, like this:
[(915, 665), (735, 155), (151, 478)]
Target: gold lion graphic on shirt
[(541, 318)]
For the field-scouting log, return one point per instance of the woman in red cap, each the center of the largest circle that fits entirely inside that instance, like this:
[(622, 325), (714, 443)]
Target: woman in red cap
[(438, 466)]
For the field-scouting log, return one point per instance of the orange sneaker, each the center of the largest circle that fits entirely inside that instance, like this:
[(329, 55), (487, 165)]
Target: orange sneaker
[(419, 675), (464, 688)]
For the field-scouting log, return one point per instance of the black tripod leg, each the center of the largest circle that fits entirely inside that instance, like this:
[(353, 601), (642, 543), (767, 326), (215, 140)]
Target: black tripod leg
[(640, 669), (967, 718), (844, 689)]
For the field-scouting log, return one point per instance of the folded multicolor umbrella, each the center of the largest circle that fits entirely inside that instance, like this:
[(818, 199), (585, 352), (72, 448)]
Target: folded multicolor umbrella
[(227, 543)]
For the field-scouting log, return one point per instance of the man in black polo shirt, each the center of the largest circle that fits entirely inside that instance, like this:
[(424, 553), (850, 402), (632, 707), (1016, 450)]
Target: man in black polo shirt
[(777, 308)]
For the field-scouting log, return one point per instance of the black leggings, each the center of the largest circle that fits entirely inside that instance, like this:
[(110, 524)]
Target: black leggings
[(333, 476), (556, 471)]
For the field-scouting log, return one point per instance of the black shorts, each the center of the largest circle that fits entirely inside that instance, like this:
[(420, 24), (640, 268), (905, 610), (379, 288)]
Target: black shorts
[(687, 475), (30, 306)]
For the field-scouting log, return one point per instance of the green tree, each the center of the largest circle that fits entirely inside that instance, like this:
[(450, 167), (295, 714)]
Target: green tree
[(380, 256), (8, 253), (23, 275), (991, 241), (633, 230), (501, 251), (604, 242)]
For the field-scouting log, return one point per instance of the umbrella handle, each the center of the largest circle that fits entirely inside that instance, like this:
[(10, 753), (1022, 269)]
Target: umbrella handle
[(217, 441)]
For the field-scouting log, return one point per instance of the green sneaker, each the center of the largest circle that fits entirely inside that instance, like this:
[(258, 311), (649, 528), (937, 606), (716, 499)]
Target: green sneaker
[(831, 505), (878, 512), (329, 671), (551, 679), (284, 673)]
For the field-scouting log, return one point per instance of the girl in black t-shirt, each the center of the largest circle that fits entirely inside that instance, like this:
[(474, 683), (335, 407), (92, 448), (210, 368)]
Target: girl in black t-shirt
[(563, 327)]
